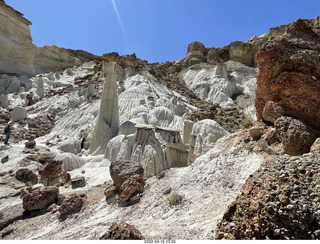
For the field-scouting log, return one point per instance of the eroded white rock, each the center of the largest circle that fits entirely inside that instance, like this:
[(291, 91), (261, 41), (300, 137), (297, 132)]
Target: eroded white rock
[(107, 124), (18, 113), (204, 135), (70, 161)]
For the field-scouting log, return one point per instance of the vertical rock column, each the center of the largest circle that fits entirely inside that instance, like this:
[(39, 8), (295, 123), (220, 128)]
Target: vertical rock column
[(4, 100), (107, 124), (40, 89)]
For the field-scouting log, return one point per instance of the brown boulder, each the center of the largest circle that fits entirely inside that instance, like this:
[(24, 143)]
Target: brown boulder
[(50, 170), (27, 175), (128, 179), (121, 170), (122, 231), (289, 74), (296, 136), (30, 144), (132, 186), (110, 190), (40, 199), (78, 182), (72, 204), (196, 49)]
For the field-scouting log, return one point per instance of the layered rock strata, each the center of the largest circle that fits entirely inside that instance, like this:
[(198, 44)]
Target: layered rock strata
[(19, 55)]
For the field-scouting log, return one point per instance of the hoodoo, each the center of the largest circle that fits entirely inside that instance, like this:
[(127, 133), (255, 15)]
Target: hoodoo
[(107, 124)]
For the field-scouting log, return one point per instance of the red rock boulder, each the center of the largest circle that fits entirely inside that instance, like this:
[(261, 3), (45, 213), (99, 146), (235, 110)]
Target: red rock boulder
[(50, 170), (289, 75), (128, 180), (72, 204), (121, 170), (122, 231), (40, 199)]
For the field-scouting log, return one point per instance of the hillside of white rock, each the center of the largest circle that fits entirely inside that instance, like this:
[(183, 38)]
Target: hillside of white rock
[(186, 123)]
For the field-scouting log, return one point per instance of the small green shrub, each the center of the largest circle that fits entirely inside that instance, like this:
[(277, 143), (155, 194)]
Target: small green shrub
[(247, 121), (175, 198)]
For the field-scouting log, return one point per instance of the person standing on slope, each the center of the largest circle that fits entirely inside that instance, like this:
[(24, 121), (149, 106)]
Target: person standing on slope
[(7, 131)]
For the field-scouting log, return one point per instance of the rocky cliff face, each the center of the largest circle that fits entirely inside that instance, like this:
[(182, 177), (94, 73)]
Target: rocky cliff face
[(139, 111), (281, 199), (19, 55), (16, 50), (289, 74)]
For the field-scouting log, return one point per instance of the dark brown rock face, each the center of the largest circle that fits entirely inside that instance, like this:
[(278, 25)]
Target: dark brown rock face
[(280, 201), (26, 175), (72, 204), (133, 185), (296, 136), (121, 170), (289, 74), (122, 231), (40, 199), (50, 170), (128, 179)]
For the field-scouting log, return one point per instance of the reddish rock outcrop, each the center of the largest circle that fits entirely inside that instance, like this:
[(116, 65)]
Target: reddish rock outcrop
[(128, 180), (40, 199), (132, 186), (121, 170), (122, 231), (72, 204), (289, 74), (50, 170)]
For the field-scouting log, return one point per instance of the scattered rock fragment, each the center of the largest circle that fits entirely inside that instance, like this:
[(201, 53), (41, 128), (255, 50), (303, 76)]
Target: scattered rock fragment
[(5, 159), (122, 231), (30, 144), (72, 204), (50, 170), (27, 175), (78, 182), (40, 199)]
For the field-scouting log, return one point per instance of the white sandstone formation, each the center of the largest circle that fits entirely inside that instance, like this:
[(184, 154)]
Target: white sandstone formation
[(211, 83), (187, 130), (145, 101), (18, 113), (4, 100), (80, 91), (21, 89), (19, 55), (16, 48), (40, 88), (70, 161), (156, 148), (107, 124), (244, 77), (204, 135), (91, 89), (9, 84)]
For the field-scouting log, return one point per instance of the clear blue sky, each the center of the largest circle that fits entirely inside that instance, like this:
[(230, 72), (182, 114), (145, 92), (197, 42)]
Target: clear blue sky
[(156, 30)]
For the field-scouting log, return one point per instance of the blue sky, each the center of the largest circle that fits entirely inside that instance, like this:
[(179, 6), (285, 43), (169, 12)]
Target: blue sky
[(156, 30)]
